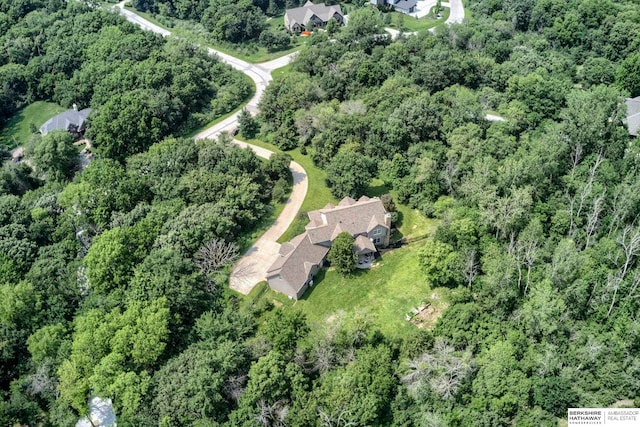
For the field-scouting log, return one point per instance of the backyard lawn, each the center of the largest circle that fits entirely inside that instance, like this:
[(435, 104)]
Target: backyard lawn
[(282, 72), (19, 128)]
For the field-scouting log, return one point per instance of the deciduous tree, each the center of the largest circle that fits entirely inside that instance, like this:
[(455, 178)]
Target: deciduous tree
[(341, 255)]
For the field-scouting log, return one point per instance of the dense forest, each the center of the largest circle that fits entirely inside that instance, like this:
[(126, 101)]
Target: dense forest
[(108, 287), (140, 86)]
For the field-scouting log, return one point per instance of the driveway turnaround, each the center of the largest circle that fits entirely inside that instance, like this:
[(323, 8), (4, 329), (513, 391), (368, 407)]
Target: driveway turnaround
[(252, 267)]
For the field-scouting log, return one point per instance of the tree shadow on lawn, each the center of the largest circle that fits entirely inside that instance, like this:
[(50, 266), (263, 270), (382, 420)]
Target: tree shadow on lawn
[(377, 190), (10, 129)]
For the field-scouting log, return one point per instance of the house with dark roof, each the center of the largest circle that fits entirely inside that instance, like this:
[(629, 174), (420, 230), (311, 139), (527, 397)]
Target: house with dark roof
[(73, 121), (404, 6), (312, 16), (301, 258), (633, 115)]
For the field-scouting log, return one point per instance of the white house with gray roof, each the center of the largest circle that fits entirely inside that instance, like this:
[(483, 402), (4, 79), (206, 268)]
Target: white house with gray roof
[(311, 16), (302, 257)]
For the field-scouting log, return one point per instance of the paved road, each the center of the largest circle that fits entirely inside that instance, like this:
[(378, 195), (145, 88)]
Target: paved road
[(252, 267)]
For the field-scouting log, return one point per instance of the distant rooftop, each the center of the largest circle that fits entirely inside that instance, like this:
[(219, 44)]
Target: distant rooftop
[(66, 121)]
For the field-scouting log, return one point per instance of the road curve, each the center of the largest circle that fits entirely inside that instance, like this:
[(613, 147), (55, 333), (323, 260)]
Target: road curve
[(252, 266)]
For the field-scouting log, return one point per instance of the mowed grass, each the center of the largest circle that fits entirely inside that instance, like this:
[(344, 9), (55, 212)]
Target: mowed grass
[(282, 72), (18, 130), (387, 292)]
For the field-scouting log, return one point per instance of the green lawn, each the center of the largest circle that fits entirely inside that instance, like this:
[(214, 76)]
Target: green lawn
[(282, 72), (17, 131), (388, 292), (196, 33)]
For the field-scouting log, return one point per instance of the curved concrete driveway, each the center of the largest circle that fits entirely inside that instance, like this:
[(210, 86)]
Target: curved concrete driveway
[(252, 267)]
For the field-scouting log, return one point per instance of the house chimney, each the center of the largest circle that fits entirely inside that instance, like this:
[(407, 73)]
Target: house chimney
[(75, 107)]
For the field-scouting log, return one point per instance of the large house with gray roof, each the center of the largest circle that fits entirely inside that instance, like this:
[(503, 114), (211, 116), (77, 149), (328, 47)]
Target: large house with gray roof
[(302, 257), (311, 16)]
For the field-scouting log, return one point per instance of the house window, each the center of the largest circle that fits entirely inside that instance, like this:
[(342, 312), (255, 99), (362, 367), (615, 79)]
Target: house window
[(376, 241), (377, 232)]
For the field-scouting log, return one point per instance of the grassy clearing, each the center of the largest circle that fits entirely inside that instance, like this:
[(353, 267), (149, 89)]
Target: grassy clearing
[(282, 72), (388, 292), (196, 33), (19, 128)]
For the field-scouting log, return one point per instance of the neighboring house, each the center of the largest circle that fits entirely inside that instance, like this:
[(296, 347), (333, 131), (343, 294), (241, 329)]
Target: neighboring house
[(302, 257), (312, 15), (404, 6), (73, 121), (633, 115)]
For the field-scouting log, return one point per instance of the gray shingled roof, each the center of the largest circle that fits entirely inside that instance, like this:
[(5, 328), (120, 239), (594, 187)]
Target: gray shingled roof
[(353, 217), (363, 244), (295, 266), (633, 115), (302, 15), (64, 120), (405, 5)]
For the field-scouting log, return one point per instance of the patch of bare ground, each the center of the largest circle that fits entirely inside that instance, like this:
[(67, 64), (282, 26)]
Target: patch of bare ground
[(426, 316)]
